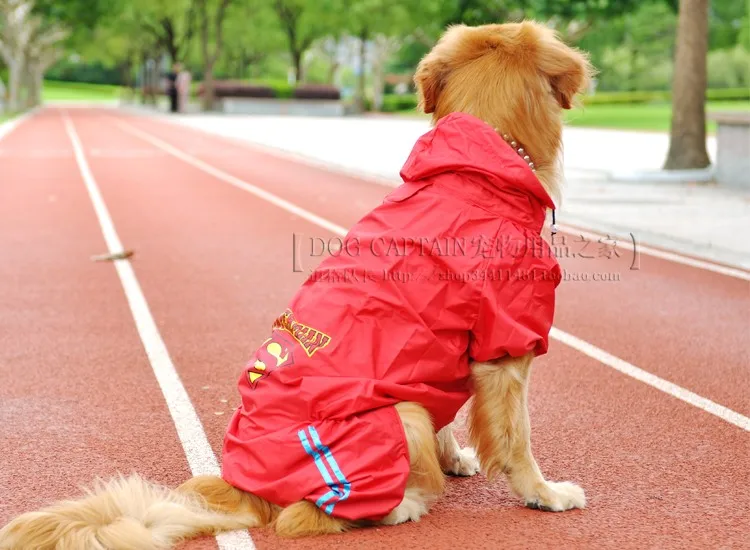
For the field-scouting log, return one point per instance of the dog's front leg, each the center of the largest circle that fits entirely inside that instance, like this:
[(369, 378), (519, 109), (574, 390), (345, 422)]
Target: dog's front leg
[(453, 459), (500, 432)]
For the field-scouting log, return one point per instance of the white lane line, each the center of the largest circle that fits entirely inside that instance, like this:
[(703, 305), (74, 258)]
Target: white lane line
[(590, 233), (663, 254), (592, 351), (198, 451), (9, 125), (652, 380), (232, 180)]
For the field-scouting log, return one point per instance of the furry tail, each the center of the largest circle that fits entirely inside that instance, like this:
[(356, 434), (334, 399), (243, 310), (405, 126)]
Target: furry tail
[(129, 513)]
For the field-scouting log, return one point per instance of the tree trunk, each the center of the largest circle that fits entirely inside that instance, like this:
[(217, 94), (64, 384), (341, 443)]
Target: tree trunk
[(361, 80), (383, 47), (36, 84), (687, 147), (28, 85), (173, 51), (15, 73), (378, 72), (208, 87), (632, 87), (332, 71), (170, 40), (297, 61), (211, 57), (241, 64), (126, 75)]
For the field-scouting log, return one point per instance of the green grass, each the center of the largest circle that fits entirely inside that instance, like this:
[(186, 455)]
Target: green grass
[(79, 91), (653, 117), (4, 117), (649, 116)]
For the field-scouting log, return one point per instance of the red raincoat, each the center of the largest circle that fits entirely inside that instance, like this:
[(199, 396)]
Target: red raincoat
[(450, 268)]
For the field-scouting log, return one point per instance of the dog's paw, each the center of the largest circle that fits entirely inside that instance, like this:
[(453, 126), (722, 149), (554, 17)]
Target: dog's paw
[(557, 497), (463, 463), (413, 507)]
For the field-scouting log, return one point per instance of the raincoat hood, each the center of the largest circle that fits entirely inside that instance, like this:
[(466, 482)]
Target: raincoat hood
[(482, 165)]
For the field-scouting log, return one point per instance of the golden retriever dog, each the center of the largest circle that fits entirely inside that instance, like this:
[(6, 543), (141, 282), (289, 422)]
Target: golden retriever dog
[(509, 83)]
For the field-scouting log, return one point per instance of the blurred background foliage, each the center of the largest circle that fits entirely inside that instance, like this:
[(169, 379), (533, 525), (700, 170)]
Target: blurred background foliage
[(284, 43), (631, 42)]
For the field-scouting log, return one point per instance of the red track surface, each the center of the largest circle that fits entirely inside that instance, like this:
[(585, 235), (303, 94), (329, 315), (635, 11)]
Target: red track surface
[(79, 398)]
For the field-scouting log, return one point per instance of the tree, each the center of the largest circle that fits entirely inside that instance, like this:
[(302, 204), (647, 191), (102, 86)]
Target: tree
[(687, 146), (383, 24), (479, 12), (171, 23), (252, 35), (16, 34), (303, 22), (28, 45), (78, 14), (81, 17), (328, 49), (383, 47), (633, 51), (727, 21), (42, 51), (212, 41)]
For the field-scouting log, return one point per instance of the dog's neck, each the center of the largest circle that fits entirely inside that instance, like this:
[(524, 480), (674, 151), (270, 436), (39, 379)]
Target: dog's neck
[(517, 148), (548, 175)]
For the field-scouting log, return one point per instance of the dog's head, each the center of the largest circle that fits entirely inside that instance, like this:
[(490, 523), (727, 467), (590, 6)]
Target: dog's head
[(517, 77)]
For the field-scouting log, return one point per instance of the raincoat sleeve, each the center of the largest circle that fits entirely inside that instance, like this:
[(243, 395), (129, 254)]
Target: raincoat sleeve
[(516, 310)]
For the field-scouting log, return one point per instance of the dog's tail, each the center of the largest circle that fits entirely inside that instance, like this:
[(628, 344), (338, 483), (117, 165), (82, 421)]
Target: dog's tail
[(129, 513)]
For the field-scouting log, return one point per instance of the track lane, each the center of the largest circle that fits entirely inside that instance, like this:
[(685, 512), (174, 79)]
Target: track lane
[(644, 317), (653, 467), (78, 398)]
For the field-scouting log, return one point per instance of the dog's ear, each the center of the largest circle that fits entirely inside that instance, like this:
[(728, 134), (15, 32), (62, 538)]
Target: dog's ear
[(430, 79), (568, 69)]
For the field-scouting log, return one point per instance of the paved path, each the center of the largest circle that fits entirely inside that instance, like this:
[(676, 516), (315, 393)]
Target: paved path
[(696, 219)]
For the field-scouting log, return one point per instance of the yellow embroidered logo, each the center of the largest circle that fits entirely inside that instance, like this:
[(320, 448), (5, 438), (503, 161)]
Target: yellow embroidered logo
[(275, 353), (310, 339)]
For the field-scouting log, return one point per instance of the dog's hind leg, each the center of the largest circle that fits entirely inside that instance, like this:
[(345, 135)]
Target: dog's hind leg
[(425, 483), (303, 519), (220, 496), (300, 519), (500, 431), (426, 480), (453, 459)]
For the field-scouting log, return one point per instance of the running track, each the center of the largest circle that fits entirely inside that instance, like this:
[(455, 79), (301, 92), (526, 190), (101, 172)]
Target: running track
[(91, 387)]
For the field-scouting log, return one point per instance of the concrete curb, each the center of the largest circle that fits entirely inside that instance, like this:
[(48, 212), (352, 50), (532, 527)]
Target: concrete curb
[(651, 238), (11, 124), (82, 103), (705, 175)]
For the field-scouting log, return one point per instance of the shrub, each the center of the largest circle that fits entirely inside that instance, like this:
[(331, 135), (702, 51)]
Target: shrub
[(94, 73), (272, 89), (281, 88), (317, 91), (730, 94), (611, 98), (229, 88), (398, 103), (729, 68)]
